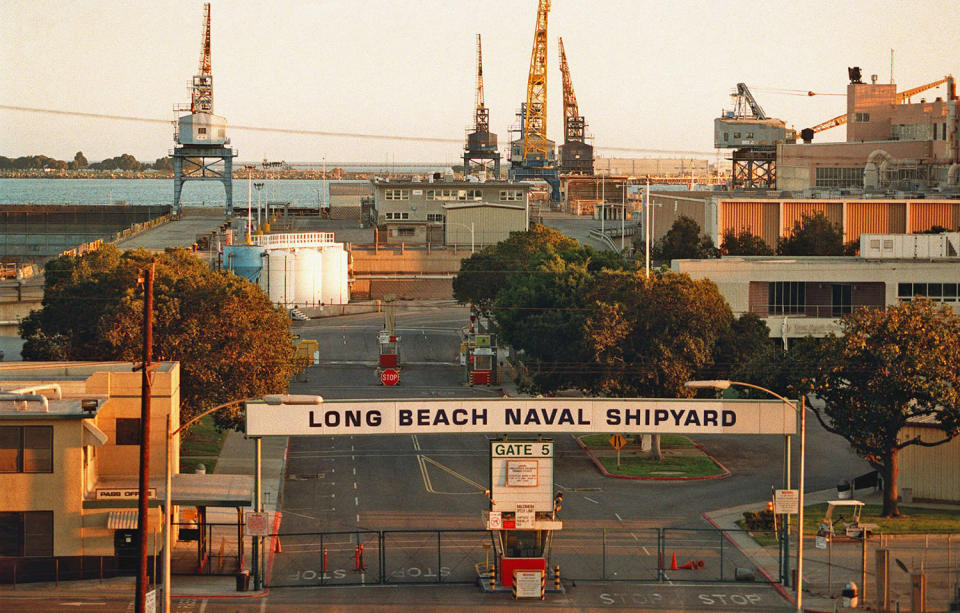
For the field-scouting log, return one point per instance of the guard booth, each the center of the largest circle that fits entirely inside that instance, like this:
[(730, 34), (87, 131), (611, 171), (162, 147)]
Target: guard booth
[(389, 350), (523, 508)]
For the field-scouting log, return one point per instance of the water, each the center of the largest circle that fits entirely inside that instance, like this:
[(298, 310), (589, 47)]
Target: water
[(152, 191)]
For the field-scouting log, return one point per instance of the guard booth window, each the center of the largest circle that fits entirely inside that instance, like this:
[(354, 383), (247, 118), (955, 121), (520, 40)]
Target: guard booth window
[(522, 543)]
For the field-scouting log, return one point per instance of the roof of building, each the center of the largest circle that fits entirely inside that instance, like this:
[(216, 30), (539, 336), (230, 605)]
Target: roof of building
[(459, 184)]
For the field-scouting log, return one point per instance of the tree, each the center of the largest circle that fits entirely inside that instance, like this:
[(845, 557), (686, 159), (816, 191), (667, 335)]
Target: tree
[(485, 273), (164, 163), (746, 341), (230, 340), (813, 235), (888, 369), (683, 241), (744, 243), (79, 161)]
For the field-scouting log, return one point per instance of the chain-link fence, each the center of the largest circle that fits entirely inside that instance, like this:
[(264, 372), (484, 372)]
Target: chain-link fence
[(911, 560)]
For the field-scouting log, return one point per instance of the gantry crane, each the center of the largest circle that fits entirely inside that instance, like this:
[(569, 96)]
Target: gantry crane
[(754, 137), (902, 98), (481, 146), (202, 148), (201, 100), (533, 155), (576, 156)]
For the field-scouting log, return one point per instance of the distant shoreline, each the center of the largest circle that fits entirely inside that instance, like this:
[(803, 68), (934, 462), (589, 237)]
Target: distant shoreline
[(333, 174)]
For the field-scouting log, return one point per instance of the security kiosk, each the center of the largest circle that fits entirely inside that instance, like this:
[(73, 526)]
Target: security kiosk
[(523, 507)]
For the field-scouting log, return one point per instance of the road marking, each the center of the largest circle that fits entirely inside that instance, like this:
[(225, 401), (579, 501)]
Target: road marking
[(358, 518), (591, 500), (263, 604), (354, 471), (454, 473), (356, 501), (354, 485), (203, 606), (645, 552), (620, 519)]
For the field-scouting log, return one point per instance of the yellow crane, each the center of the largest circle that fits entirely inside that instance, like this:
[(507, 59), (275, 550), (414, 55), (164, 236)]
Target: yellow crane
[(571, 112), (481, 122), (201, 100), (902, 98), (535, 120)]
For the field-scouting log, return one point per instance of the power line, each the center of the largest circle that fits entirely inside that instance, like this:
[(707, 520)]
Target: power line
[(302, 132)]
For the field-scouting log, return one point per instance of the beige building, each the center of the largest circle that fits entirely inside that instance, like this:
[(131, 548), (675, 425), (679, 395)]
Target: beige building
[(806, 296), (69, 466), (929, 473), (437, 212)]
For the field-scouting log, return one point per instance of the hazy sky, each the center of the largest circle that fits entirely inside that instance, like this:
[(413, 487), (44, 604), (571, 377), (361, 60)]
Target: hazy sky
[(647, 74)]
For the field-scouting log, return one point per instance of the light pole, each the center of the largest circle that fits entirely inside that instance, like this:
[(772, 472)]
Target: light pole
[(646, 228), (470, 227), (801, 413), (168, 498), (259, 186)]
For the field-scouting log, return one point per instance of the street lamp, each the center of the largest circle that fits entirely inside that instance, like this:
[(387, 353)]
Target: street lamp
[(470, 227), (801, 412), (259, 186)]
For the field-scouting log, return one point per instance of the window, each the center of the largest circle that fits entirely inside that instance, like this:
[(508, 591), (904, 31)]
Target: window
[(396, 194), (26, 449), (939, 292), (511, 195), (128, 431), (787, 297), (842, 300), (861, 117), (26, 533), (405, 231), (736, 135), (838, 178), (726, 136), (435, 217), (202, 131)]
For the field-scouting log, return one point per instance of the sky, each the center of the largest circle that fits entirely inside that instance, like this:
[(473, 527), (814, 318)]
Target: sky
[(648, 75)]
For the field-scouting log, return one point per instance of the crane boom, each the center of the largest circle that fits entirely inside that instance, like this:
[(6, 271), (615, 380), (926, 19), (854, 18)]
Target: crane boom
[(201, 99), (535, 120), (746, 100), (570, 108), (906, 95), (481, 121)]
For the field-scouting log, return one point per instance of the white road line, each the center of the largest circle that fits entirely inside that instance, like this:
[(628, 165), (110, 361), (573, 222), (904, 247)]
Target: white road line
[(620, 519), (354, 471), (356, 501), (354, 485), (591, 500), (203, 606), (263, 604), (358, 518)]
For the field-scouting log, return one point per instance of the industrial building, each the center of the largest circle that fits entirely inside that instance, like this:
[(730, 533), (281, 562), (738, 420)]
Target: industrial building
[(464, 213), (69, 467), (806, 296), (892, 144), (774, 218)]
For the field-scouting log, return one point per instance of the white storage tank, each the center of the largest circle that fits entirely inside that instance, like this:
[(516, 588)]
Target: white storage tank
[(278, 277), (309, 274), (334, 287)]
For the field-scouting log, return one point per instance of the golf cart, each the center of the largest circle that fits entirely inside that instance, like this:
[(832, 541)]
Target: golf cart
[(847, 514)]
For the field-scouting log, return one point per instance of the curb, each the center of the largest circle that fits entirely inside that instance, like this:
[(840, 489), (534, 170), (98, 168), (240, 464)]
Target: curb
[(596, 461), (220, 596), (780, 589)]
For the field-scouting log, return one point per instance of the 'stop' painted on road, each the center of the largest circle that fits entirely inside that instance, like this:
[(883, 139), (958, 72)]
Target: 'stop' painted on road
[(511, 415)]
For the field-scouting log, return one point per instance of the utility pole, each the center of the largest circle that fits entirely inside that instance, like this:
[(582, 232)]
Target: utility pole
[(142, 513)]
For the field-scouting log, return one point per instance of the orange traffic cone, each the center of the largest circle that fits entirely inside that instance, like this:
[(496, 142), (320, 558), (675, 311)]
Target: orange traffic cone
[(673, 562), (276, 545), (688, 565)]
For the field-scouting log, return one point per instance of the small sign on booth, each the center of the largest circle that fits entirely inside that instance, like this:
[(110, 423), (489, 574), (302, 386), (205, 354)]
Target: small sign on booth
[(528, 584), (525, 515), (786, 502), (258, 524), (522, 473), (495, 520)]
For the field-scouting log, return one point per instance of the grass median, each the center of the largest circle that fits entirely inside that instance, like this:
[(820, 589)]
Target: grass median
[(201, 445), (670, 466), (667, 441)]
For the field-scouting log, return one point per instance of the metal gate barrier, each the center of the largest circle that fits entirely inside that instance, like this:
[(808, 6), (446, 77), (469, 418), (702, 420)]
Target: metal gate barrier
[(455, 556)]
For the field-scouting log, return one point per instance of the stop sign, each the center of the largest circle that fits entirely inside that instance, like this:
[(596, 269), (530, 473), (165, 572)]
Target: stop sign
[(389, 377)]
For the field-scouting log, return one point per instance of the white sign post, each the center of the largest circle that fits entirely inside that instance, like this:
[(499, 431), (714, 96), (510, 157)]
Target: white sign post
[(786, 502)]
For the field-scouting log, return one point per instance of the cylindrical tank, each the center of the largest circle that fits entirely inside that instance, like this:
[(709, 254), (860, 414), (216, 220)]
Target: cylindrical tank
[(244, 261), (334, 275), (309, 270), (279, 276)]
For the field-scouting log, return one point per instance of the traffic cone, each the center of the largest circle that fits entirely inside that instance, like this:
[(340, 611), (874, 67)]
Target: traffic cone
[(277, 548), (673, 562), (687, 566)]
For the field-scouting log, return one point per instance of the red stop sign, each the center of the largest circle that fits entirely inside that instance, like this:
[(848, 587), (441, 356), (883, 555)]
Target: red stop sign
[(389, 377)]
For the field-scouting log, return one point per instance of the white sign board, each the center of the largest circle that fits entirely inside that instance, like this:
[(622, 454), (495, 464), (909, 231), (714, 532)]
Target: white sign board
[(532, 416), (258, 524), (528, 583), (821, 542), (495, 520), (150, 602), (522, 473), (525, 515), (786, 502)]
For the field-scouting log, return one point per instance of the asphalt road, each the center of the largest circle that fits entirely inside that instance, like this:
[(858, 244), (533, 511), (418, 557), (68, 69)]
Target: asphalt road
[(427, 491)]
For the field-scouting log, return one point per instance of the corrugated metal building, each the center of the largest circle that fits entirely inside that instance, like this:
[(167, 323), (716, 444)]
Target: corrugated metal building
[(931, 472), (772, 219)]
